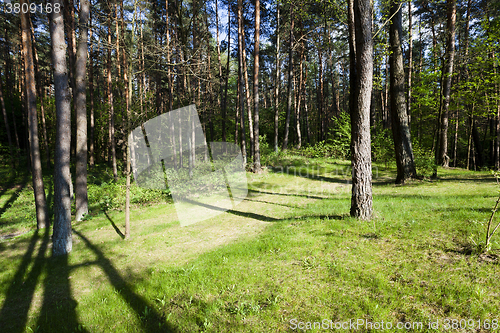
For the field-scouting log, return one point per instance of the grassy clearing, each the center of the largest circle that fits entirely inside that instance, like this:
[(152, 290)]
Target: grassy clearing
[(289, 251)]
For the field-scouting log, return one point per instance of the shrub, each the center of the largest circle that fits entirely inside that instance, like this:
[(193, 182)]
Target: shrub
[(424, 160), (340, 136), (382, 146)]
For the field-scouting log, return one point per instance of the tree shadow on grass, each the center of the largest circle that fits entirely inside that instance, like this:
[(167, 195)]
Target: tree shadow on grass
[(286, 194), (153, 321), (14, 195), (58, 312), (14, 312), (114, 225)]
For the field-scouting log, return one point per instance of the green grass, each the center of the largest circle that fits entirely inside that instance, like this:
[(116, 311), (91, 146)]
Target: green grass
[(289, 251)]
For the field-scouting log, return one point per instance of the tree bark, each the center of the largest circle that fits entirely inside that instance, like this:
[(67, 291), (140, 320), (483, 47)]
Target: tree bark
[(62, 239), (446, 83), (81, 114), (241, 81), (36, 164), (361, 57), (224, 101), (91, 96), (247, 92), (400, 127), (9, 85), (410, 62), (112, 144), (38, 80), (7, 128), (289, 102), (300, 94), (277, 79), (256, 163)]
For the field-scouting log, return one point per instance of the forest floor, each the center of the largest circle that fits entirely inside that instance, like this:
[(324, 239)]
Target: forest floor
[(287, 258)]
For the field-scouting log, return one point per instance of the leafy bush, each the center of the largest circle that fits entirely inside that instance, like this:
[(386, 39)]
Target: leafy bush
[(382, 146), (340, 136), (424, 160), (321, 149)]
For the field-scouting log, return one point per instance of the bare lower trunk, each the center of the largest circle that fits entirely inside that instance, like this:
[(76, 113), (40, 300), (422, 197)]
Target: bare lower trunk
[(247, 94), (277, 79), (112, 144), (400, 127), (361, 49), (410, 62), (7, 128), (91, 96), (36, 164), (290, 83), (241, 82), (81, 115), (256, 161), (62, 239), (443, 158)]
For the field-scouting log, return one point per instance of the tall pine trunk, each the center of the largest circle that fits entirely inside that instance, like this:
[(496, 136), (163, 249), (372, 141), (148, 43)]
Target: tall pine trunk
[(289, 103), (62, 239), (36, 164), (361, 58), (410, 63), (241, 82), (400, 127), (81, 114), (91, 96), (112, 144), (277, 79), (256, 163), (7, 128), (444, 103)]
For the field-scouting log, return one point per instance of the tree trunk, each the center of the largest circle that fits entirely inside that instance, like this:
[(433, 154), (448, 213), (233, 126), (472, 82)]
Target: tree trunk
[(9, 85), (62, 239), (361, 49), (36, 164), (446, 83), (321, 96), (81, 114), (91, 96), (306, 110), (7, 128), (277, 79), (247, 94), (300, 94), (410, 63), (38, 80), (256, 161), (477, 146), (241, 81), (400, 127), (290, 83), (112, 144)]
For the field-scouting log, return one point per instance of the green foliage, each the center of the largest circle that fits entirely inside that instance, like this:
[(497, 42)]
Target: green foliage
[(322, 149), (111, 195), (424, 160), (340, 136), (382, 146)]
